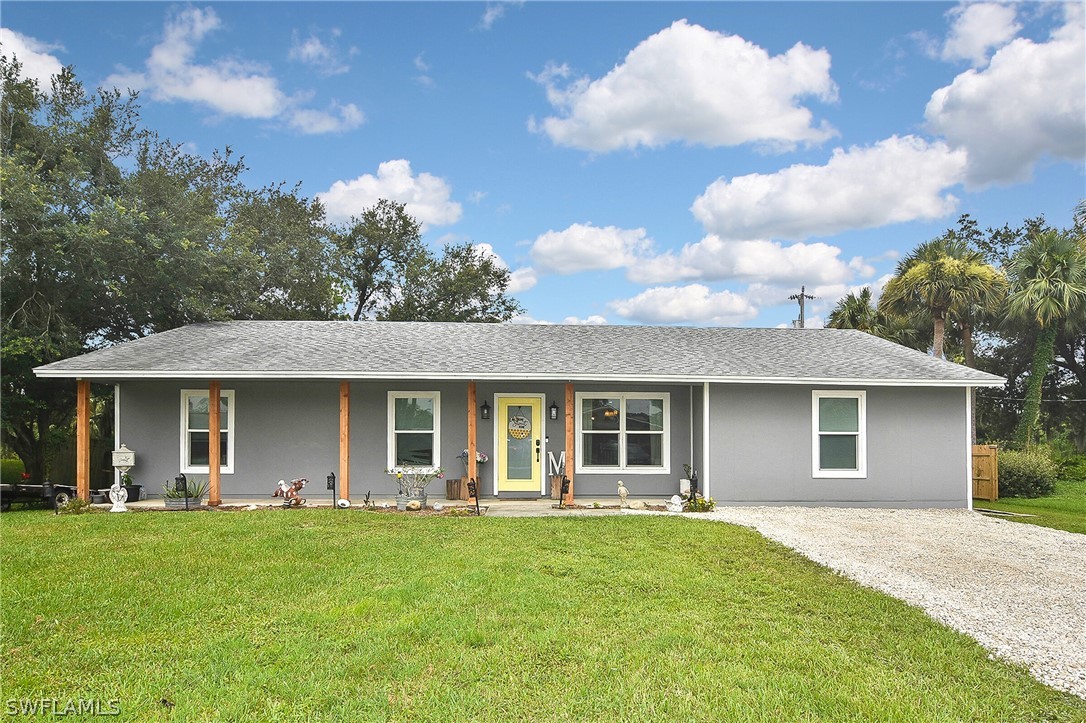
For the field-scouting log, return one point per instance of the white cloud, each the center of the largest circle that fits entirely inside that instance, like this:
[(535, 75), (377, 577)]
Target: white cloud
[(525, 319), (522, 280), (896, 180), (38, 63), (687, 83), (228, 86), (715, 259), (584, 247), (593, 320), (423, 78), (694, 303), (426, 197), (1027, 104), (323, 56), (491, 15), (978, 28), (337, 119), (477, 197)]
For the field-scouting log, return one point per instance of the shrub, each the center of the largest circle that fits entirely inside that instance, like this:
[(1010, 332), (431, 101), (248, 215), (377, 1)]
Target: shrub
[(1031, 473), (699, 504), (1074, 468), (74, 506), (11, 471)]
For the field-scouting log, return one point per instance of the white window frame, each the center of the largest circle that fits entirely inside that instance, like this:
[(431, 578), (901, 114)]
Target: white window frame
[(231, 409), (391, 442), (861, 443), (622, 468)]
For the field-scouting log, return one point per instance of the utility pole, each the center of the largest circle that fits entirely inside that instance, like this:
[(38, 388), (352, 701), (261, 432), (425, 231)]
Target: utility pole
[(800, 298)]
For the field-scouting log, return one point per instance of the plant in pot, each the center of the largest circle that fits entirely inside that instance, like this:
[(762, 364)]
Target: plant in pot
[(458, 489), (412, 482), (190, 494), (133, 490)]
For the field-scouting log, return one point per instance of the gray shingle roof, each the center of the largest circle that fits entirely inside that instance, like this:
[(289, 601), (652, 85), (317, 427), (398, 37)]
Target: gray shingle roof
[(401, 350)]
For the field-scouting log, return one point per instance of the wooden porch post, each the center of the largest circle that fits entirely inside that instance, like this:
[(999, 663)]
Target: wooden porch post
[(82, 440), (472, 441), (214, 444), (570, 461), (344, 441)]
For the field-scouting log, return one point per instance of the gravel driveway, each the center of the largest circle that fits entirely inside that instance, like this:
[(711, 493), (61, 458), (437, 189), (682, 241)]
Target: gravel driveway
[(1018, 589)]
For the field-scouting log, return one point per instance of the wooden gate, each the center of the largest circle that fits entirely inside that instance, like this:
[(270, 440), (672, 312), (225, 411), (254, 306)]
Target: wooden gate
[(986, 472)]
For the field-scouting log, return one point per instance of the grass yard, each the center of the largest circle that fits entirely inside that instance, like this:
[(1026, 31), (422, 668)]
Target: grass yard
[(1065, 509), (356, 616)]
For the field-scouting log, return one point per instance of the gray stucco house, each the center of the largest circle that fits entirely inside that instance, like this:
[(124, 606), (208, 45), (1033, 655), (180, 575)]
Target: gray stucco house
[(766, 416)]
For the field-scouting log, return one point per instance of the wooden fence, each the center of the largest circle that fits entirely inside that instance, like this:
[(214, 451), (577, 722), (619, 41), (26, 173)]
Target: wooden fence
[(986, 472)]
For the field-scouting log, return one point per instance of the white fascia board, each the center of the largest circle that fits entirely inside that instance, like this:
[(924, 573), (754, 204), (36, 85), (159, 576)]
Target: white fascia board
[(511, 376)]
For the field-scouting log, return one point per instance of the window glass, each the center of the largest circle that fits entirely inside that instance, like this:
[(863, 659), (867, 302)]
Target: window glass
[(601, 450), (644, 415), (837, 451), (644, 450), (838, 414), (414, 449), (600, 414), (414, 413)]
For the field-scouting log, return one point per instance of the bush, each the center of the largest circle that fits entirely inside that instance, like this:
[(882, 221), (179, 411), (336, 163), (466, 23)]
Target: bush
[(1074, 468), (1027, 474), (11, 471), (699, 504)]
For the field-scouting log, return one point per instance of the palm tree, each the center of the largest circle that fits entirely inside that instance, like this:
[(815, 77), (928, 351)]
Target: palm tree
[(946, 278), (1048, 287), (858, 311)]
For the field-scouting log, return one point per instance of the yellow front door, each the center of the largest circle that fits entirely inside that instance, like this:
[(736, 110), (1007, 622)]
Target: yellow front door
[(520, 444)]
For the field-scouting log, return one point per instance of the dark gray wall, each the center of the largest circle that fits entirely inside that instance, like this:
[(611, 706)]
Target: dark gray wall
[(761, 448), (282, 430), (286, 429)]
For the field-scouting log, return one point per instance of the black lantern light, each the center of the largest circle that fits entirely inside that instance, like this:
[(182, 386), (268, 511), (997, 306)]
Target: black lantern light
[(181, 485), (484, 411), (554, 410)]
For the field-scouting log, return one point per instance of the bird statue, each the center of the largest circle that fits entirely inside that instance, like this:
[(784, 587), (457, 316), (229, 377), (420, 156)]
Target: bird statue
[(623, 493)]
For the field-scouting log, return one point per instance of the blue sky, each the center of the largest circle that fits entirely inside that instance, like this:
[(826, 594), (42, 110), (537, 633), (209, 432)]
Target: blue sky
[(663, 163)]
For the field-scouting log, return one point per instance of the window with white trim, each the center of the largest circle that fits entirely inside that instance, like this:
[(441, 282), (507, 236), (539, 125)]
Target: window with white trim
[(414, 429), (195, 437), (628, 432), (839, 434)]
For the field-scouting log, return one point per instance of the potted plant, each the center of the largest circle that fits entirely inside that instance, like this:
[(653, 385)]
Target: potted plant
[(412, 483), (458, 489), (191, 496), (133, 490)]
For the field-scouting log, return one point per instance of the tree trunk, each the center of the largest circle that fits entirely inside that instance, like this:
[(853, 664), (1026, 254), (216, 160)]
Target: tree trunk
[(967, 344), (1043, 354), (940, 327)]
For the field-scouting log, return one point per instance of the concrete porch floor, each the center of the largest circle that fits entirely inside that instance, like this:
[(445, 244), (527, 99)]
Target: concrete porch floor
[(494, 507)]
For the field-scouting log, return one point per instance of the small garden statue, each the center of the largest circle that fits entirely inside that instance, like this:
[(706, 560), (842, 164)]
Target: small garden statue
[(118, 495), (289, 492), (675, 504), (623, 493)]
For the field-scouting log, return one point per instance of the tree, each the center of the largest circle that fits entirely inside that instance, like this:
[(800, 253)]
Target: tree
[(465, 284), (110, 233), (1048, 289), (394, 277), (375, 252), (943, 276), (858, 311)]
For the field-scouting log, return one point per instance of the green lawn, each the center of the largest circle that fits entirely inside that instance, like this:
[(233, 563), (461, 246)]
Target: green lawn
[(355, 616), (1065, 509)]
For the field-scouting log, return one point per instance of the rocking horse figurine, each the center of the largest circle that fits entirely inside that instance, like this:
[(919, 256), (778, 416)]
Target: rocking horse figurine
[(289, 492)]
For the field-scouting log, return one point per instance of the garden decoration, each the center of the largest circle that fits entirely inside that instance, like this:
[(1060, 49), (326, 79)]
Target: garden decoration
[(564, 491), (473, 494), (623, 493), (289, 492), (480, 458), (118, 495), (411, 483), (675, 504)]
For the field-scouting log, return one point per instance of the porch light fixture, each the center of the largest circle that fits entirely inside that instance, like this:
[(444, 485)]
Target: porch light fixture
[(554, 410), (484, 411)]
